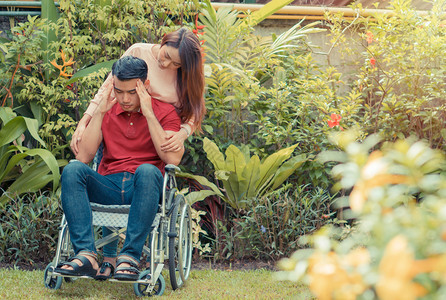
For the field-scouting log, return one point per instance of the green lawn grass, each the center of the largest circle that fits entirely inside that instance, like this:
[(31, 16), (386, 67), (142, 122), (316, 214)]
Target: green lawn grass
[(202, 284)]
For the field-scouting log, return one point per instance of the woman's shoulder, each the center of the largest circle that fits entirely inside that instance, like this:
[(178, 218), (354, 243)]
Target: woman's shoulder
[(138, 49), (141, 46)]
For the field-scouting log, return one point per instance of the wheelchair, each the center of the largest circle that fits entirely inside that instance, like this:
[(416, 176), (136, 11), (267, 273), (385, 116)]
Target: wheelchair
[(170, 237)]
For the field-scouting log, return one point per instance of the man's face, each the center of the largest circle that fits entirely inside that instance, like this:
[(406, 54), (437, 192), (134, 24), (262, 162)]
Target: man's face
[(125, 93)]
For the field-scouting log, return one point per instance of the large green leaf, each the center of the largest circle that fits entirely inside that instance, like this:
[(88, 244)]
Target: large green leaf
[(266, 11), (33, 179), (51, 14), (47, 157), (33, 128), (6, 114), (214, 155), (193, 197), (270, 165), (251, 175), (231, 186), (207, 6), (90, 70), (15, 127), (12, 162), (287, 169), (50, 161), (235, 160), (203, 181), (12, 130)]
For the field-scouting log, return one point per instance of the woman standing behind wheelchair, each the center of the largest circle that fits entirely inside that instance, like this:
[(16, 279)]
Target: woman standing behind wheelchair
[(176, 76)]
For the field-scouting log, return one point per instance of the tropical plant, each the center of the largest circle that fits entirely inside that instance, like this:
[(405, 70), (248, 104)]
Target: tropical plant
[(244, 177), (22, 169), (239, 64)]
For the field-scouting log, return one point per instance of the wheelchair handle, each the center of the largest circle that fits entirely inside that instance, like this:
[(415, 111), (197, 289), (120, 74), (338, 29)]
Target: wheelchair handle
[(171, 168)]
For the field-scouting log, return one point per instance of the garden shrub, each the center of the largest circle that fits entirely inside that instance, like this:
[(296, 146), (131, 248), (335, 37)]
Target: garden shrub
[(274, 223), (397, 248), (29, 227), (87, 33), (396, 71)]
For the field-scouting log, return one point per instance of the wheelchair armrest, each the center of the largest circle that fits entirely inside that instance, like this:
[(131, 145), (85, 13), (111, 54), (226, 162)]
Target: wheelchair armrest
[(171, 169)]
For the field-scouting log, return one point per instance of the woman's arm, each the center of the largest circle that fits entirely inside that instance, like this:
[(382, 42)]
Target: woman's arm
[(93, 133), (175, 141), (157, 133)]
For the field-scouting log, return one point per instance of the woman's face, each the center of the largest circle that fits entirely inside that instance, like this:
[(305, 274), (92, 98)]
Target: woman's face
[(169, 58)]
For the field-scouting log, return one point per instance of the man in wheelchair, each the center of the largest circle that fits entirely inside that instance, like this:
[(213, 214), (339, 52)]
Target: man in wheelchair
[(132, 126)]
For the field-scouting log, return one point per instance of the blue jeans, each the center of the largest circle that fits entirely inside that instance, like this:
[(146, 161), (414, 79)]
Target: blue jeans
[(81, 185)]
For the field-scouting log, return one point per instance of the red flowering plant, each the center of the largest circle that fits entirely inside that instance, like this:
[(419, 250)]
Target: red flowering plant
[(198, 33), (334, 121)]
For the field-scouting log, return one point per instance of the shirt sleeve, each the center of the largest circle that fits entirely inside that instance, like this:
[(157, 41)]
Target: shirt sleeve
[(167, 116)]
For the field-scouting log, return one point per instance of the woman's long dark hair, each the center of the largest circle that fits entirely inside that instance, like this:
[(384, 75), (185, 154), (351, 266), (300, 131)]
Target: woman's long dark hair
[(190, 77)]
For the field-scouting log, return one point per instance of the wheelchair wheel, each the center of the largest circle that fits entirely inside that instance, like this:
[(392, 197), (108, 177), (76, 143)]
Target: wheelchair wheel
[(51, 282), (140, 289), (180, 243), (186, 241)]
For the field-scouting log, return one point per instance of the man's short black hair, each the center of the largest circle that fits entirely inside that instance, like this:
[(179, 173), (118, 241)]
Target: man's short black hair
[(130, 67)]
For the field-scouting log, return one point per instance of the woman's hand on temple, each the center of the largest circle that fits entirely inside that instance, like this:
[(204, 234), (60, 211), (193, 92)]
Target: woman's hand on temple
[(107, 101), (145, 100)]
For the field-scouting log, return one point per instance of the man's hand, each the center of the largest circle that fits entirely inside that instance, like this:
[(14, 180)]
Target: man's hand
[(107, 101), (145, 101)]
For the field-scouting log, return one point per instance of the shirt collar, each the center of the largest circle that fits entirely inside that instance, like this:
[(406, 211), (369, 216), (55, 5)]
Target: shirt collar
[(119, 110)]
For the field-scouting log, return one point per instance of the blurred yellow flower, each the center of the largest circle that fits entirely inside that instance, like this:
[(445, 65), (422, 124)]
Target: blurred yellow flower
[(372, 175), (63, 68), (335, 277), (397, 269)]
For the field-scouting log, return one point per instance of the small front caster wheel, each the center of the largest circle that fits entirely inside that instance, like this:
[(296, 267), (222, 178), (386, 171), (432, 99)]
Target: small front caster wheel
[(50, 281), (144, 289)]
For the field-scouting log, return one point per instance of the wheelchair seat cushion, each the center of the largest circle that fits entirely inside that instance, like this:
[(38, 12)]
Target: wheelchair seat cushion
[(110, 215)]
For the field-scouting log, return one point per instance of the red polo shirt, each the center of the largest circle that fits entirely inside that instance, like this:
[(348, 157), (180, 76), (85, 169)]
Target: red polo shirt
[(127, 141)]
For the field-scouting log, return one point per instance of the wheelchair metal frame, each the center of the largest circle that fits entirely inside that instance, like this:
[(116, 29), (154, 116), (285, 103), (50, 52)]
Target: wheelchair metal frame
[(171, 237)]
